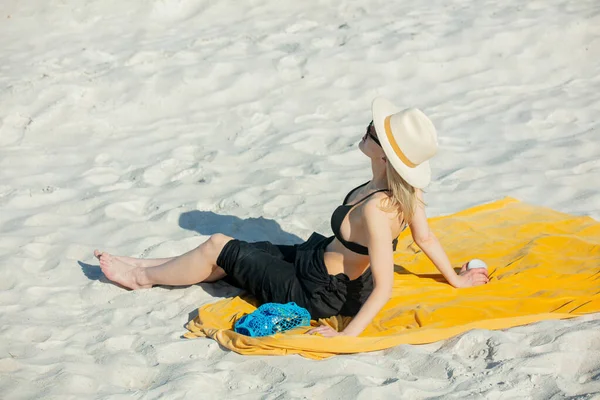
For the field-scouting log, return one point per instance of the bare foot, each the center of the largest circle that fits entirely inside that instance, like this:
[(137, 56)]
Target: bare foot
[(136, 262), (122, 273)]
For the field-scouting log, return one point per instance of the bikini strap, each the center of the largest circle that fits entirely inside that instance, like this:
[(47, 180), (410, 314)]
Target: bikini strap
[(353, 190), (369, 195)]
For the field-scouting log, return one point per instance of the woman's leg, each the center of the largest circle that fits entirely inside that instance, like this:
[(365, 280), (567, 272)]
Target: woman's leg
[(197, 265), (136, 262)]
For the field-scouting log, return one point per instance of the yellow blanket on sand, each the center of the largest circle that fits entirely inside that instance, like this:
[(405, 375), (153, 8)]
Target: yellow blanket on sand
[(543, 265)]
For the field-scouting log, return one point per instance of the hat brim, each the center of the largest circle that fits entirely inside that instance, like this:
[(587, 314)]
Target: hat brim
[(419, 176)]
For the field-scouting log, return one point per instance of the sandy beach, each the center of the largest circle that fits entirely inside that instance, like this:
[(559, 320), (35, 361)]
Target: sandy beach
[(143, 127)]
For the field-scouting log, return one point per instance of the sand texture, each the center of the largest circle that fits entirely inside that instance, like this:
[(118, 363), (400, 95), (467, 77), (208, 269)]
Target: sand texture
[(143, 127)]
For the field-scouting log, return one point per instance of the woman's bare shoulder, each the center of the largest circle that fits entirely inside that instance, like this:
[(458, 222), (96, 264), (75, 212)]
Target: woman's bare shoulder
[(378, 205)]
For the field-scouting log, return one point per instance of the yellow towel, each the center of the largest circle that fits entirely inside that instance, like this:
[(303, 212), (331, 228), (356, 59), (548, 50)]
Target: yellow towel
[(543, 265)]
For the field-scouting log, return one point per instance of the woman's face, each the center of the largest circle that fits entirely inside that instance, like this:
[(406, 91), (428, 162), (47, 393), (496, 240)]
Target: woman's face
[(369, 144)]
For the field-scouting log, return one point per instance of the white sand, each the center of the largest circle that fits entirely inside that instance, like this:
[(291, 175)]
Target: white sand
[(141, 127)]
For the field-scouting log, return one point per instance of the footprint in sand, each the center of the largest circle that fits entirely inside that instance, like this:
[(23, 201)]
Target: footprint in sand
[(128, 370), (12, 128), (74, 381), (301, 26), (180, 351), (348, 82), (101, 176), (176, 10), (171, 170), (133, 210), (292, 66)]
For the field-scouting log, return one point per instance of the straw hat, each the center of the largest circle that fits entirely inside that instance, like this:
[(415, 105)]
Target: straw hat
[(408, 139)]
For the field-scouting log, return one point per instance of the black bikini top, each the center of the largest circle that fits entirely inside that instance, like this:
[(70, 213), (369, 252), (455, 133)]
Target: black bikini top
[(340, 213)]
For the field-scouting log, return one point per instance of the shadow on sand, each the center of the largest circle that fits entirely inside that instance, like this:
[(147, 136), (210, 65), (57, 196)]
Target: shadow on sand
[(252, 229)]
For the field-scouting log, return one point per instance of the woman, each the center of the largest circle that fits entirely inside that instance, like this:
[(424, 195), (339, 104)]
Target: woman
[(350, 273)]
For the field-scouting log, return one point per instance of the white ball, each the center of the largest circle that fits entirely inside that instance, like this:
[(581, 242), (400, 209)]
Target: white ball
[(476, 263)]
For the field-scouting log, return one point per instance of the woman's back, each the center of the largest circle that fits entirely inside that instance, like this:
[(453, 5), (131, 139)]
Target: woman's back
[(340, 257)]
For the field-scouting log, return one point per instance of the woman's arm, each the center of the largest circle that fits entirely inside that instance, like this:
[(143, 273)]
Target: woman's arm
[(382, 267), (428, 242)]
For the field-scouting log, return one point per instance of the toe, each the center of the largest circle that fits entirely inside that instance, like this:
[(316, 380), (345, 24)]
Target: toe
[(97, 253)]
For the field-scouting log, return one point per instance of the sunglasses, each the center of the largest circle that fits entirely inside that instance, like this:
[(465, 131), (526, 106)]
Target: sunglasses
[(369, 134)]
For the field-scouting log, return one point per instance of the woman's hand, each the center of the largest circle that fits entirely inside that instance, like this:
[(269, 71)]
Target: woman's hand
[(326, 331), (472, 277)]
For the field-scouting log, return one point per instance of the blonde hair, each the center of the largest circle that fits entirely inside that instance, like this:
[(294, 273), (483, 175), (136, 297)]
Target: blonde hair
[(403, 199)]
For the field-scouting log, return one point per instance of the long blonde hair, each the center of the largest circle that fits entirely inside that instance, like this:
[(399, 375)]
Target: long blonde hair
[(403, 199)]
